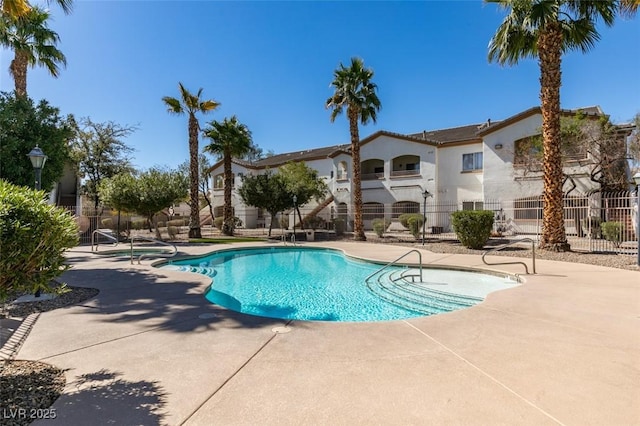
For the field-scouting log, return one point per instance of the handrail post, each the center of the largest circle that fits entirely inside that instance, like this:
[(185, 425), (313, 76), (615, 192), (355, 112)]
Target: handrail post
[(131, 239), (533, 255), (526, 268)]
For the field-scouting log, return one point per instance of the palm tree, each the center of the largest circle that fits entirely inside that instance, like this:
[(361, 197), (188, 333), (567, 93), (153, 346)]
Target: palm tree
[(545, 30), (191, 104), (33, 43), (355, 92), (19, 8), (230, 139)]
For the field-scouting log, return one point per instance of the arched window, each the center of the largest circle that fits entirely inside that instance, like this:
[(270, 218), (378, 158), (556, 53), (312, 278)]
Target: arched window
[(342, 171), (372, 169)]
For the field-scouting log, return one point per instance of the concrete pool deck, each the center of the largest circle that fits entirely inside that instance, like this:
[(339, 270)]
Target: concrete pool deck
[(563, 348)]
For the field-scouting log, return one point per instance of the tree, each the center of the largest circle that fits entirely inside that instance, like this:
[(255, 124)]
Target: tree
[(266, 191), (546, 30), (230, 139), (191, 104), (203, 185), (19, 8), (594, 144), (34, 237), (24, 125), (355, 92), (99, 151), (147, 193), (33, 43), (303, 182), (634, 145)]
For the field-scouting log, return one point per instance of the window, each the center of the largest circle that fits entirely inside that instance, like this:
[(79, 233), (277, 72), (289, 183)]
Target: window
[(472, 205), (218, 182), (471, 162)]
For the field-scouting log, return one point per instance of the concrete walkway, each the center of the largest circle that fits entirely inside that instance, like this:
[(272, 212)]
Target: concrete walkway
[(563, 348)]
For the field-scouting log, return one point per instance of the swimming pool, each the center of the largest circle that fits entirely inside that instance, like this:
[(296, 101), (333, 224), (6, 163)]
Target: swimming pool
[(326, 285)]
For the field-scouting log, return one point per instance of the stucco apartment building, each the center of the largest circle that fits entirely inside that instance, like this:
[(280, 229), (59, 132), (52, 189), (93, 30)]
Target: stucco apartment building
[(469, 167)]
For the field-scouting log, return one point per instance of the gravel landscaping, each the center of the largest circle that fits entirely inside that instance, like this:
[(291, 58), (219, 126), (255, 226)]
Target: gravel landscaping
[(29, 388)]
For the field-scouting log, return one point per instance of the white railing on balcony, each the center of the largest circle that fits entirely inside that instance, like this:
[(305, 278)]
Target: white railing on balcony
[(372, 176), (403, 173)]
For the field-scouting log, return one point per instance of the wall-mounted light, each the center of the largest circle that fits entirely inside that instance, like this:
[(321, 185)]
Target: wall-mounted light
[(498, 146)]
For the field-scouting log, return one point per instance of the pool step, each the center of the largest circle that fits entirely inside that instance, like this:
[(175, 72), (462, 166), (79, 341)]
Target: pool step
[(402, 288), (204, 270)]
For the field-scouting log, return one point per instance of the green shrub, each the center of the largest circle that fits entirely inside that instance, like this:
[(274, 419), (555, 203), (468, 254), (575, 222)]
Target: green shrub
[(178, 222), (472, 227), (34, 237), (379, 226), (612, 231), (339, 226), (138, 224), (313, 222), (404, 218), (595, 222), (415, 225), (284, 222), (218, 222), (173, 231)]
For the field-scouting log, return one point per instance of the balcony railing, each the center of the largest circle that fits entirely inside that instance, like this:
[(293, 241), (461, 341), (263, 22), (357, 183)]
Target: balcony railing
[(342, 176), (403, 173), (372, 176)]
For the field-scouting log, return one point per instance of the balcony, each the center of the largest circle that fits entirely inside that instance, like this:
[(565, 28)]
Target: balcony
[(372, 176), (405, 173)]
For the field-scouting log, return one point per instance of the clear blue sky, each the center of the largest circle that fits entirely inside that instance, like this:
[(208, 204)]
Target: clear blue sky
[(270, 63)]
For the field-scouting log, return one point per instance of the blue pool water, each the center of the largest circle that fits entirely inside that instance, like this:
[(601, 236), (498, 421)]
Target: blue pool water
[(296, 283)]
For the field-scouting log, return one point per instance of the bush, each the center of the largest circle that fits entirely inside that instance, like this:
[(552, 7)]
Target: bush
[(138, 224), (178, 222), (612, 231), (313, 222), (284, 222), (34, 237), (415, 225), (404, 218), (173, 231), (595, 222), (218, 222), (107, 223), (379, 226), (339, 226), (472, 228)]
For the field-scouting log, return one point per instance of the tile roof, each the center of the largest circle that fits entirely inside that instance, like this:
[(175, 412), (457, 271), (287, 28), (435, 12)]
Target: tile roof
[(454, 134), (303, 155)]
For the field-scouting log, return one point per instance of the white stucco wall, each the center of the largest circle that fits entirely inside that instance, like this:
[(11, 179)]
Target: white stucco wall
[(454, 184), (503, 182)]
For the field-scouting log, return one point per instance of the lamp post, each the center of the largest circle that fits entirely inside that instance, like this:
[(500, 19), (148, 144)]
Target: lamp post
[(425, 194), (636, 179), (295, 200), (38, 159)]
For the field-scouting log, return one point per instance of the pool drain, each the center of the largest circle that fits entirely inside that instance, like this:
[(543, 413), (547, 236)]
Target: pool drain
[(281, 330)]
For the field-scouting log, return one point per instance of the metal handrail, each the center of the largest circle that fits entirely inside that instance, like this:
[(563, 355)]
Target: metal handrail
[(175, 249), (104, 234), (395, 261), (533, 255)]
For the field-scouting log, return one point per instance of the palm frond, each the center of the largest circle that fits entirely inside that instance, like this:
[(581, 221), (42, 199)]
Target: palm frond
[(173, 105)]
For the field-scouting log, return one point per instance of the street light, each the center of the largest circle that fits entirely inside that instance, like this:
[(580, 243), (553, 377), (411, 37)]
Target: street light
[(38, 159), (636, 179), (295, 200), (425, 194)]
